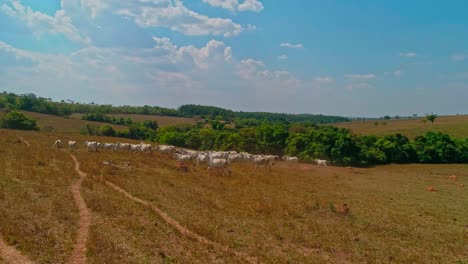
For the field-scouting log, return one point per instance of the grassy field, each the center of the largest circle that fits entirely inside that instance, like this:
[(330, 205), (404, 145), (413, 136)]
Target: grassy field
[(287, 216), (60, 124), (161, 120), (456, 126)]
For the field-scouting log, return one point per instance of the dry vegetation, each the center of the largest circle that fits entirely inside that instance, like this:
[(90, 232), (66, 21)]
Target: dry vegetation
[(292, 215), (60, 124), (161, 120), (456, 126)]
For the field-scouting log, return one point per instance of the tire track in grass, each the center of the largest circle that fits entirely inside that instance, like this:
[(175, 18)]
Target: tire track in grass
[(25, 141), (11, 254), (181, 229), (79, 253)]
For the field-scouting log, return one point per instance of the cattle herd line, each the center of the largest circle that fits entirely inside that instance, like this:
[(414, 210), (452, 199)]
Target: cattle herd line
[(212, 159)]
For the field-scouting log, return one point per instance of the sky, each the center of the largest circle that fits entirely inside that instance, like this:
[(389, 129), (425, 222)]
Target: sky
[(364, 58)]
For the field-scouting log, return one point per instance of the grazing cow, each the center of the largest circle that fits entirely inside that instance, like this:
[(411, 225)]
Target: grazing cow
[(135, 147), (73, 145), (266, 161), (291, 159), (183, 158), (202, 158), (109, 146), (123, 146), (321, 162), (91, 146), (146, 148), (165, 149), (219, 164), (232, 158), (57, 144)]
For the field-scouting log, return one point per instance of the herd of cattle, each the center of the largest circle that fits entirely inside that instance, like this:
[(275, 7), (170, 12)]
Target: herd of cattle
[(213, 159)]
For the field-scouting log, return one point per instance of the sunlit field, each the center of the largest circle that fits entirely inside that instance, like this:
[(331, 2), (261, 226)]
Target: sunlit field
[(293, 214), (161, 120), (456, 126)]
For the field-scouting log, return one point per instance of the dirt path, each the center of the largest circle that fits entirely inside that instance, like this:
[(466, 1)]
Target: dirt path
[(25, 141), (181, 229), (79, 253), (11, 255)]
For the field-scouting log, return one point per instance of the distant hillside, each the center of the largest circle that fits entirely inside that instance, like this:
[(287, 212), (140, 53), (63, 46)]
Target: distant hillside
[(225, 114), (456, 126), (33, 103)]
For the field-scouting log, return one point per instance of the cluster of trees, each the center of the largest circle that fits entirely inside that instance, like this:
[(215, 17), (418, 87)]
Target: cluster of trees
[(216, 113), (30, 102), (309, 142), (17, 120), (136, 130), (100, 117)]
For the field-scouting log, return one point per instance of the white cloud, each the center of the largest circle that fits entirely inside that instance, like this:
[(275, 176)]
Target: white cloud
[(177, 17), (291, 46), (458, 57), (358, 86), (360, 77), (40, 23), (283, 57), (234, 5), (407, 54), (397, 73), (324, 80)]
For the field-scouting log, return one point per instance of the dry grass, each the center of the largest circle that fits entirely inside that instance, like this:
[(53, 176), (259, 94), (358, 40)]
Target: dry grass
[(161, 120), (60, 124), (456, 126), (291, 215)]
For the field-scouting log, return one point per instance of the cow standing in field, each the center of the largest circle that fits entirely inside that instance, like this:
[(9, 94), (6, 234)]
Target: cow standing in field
[(91, 146), (219, 164), (57, 144), (72, 145), (321, 162)]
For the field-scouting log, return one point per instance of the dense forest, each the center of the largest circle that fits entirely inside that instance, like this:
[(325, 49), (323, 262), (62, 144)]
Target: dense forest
[(30, 102)]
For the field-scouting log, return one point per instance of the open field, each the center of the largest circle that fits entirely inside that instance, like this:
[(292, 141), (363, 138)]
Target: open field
[(60, 124), (286, 216), (456, 126), (161, 120)]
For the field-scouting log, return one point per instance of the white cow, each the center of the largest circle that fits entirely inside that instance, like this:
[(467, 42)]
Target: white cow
[(72, 145), (135, 147), (202, 158), (165, 149), (321, 162), (146, 148), (183, 158), (91, 146), (291, 159), (219, 164), (262, 160), (57, 144)]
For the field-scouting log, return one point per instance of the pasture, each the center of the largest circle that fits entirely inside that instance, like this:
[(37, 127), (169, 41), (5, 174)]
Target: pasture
[(289, 215), (161, 120), (456, 126)]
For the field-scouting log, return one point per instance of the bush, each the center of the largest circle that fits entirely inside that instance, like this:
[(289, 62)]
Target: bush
[(17, 120), (107, 131)]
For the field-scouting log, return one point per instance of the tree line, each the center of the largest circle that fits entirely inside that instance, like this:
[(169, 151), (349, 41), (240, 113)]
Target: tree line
[(33, 103)]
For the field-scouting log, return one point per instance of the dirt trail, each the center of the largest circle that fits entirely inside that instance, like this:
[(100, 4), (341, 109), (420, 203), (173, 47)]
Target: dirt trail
[(11, 255), (181, 229), (79, 253), (25, 141)]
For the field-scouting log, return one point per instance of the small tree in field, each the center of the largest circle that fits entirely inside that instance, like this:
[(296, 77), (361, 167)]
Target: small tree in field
[(431, 118)]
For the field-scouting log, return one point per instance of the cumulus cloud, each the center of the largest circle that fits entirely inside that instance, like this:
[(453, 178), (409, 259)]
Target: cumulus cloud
[(360, 77), (407, 54), (177, 17), (234, 5), (459, 57), (324, 80), (358, 86), (283, 57), (40, 23), (291, 46)]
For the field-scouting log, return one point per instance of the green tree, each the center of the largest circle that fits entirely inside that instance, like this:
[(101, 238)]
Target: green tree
[(108, 131), (17, 120), (431, 118)]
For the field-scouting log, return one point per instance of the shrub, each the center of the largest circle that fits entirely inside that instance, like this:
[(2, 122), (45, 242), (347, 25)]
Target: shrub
[(17, 120)]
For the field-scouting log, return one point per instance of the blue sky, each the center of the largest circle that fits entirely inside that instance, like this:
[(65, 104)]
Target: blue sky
[(351, 58)]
